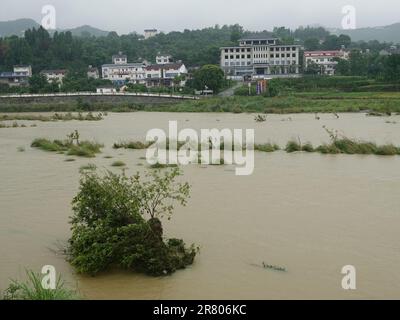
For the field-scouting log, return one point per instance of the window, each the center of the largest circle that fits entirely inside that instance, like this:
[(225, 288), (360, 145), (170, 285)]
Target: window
[(248, 56)]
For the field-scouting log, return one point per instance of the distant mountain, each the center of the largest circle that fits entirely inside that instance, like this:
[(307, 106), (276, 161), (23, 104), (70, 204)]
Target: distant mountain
[(16, 27), (389, 33), (87, 31)]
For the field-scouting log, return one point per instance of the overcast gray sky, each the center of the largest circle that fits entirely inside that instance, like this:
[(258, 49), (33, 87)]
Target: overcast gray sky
[(125, 16)]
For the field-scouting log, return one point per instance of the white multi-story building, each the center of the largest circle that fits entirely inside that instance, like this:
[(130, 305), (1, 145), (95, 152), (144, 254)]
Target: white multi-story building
[(165, 74), (325, 60), (149, 33), (121, 72), (260, 57)]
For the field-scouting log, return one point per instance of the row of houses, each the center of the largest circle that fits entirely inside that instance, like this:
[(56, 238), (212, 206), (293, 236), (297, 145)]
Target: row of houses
[(260, 56), (164, 73), (120, 72)]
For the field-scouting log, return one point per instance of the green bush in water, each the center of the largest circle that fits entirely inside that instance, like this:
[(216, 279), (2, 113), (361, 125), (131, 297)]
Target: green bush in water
[(86, 149), (117, 221)]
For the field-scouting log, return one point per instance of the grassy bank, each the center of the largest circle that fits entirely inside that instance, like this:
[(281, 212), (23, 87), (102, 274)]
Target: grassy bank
[(55, 117), (288, 102)]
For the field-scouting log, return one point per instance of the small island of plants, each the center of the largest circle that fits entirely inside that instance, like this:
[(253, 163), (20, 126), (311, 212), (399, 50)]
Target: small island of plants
[(116, 222)]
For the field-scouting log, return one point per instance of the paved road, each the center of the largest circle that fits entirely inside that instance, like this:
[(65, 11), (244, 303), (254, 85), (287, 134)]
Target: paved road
[(230, 92)]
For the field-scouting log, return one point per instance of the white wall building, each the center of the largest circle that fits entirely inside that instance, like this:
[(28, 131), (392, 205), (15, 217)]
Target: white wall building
[(165, 74), (54, 75), (106, 90), (120, 71), (325, 60), (23, 70), (163, 59), (260, 57), (148, 33), (120, 58), (93, 73)]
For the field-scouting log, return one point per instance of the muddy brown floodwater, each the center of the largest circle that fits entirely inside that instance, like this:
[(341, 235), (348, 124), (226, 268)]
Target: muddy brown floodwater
[(309, 213)]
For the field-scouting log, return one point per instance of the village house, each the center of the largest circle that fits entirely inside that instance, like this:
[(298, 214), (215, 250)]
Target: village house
[(18, 77), (149, 33), (121, 72), (163, 59), (56, 76), (166, 74), (93, 72), (325, 60)]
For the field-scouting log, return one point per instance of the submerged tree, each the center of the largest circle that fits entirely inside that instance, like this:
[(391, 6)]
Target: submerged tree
[(116, 221)]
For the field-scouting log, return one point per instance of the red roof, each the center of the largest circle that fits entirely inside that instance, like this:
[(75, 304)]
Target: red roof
[(332, 53)]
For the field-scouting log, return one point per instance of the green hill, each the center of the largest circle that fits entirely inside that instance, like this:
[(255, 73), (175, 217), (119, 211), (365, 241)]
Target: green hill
[(389, 33), (16, 27), (87, 31)]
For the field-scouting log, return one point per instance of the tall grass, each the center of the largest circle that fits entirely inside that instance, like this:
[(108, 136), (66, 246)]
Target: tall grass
[(32, 289), (345, 146)]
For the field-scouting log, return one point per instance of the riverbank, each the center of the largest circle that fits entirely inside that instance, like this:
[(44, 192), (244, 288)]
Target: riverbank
[(307, 102)]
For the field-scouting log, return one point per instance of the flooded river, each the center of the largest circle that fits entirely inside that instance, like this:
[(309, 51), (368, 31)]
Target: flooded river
[(309, 213)]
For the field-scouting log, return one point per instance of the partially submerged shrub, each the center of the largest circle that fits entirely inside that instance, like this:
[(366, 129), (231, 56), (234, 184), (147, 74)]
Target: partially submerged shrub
[(293, 146), (162, 166), (88, 167), (117, 221), (266, 147), (118, 163), (32, 289), (260, 118), (86, 149), (137, 145)]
